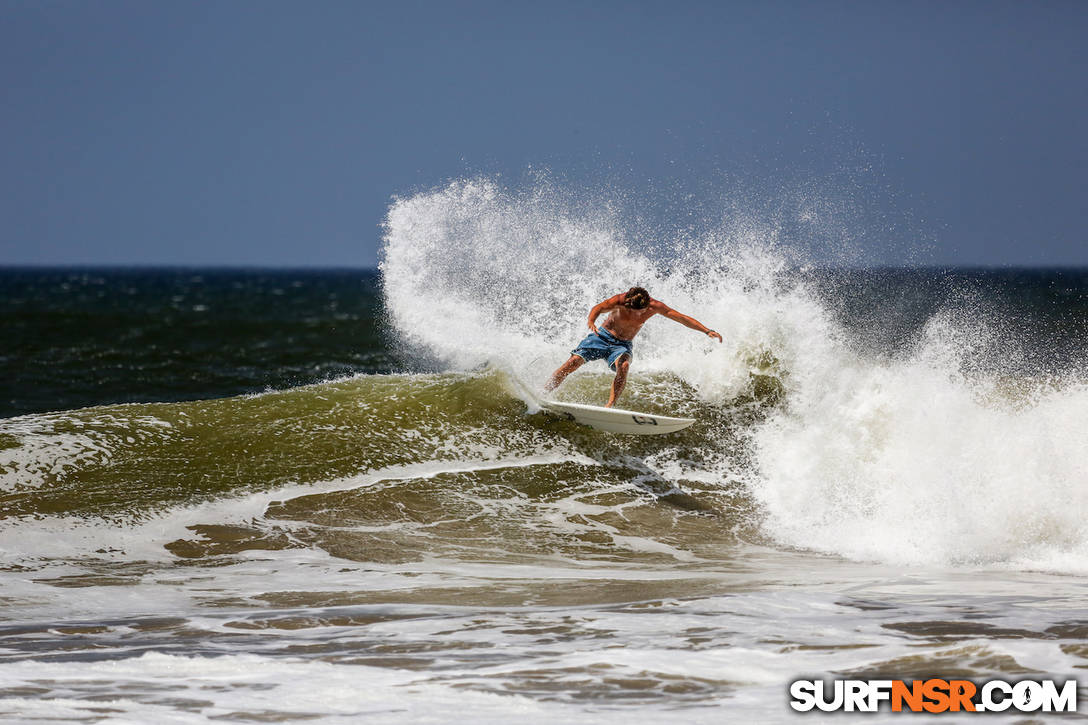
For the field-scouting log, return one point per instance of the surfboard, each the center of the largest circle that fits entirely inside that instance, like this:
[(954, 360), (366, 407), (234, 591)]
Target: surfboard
[(613, 420)]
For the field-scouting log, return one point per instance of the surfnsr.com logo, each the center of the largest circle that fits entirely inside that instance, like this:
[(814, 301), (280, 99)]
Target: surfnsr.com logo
[(933, 695)]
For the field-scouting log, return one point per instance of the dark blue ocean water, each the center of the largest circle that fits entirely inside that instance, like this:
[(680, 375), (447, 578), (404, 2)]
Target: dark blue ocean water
[(79, 337)]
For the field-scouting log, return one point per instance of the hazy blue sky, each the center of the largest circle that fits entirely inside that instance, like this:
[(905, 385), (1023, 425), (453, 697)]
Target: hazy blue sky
[(275, 133)]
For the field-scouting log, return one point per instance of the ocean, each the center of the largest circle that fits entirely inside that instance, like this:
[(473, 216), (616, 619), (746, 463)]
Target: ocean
[(273, 495)]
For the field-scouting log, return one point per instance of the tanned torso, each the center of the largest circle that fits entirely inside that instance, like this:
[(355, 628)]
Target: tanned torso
[(624, 322)]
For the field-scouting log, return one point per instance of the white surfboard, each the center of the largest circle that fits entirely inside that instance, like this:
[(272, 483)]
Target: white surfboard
[(613, 420)]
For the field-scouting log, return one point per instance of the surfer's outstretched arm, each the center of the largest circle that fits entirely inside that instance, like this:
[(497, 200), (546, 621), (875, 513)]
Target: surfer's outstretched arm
[(687, 321)]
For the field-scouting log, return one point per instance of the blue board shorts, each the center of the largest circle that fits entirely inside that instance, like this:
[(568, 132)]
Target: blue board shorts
[(602, 344)]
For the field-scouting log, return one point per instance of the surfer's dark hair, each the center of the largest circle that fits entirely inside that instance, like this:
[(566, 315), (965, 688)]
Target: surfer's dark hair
[(636, 298)]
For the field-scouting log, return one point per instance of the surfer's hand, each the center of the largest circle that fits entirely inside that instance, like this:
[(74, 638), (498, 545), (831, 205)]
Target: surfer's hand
[(593, 327), (716, 336)]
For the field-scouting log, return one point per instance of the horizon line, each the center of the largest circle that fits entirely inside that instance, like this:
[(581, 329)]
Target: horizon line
[(351, 268)]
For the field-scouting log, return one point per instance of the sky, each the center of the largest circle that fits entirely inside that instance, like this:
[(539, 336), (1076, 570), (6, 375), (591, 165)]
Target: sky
[(270, 133)]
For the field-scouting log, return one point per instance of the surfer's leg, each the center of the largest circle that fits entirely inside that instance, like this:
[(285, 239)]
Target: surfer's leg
[(562, 372), (620, 380)]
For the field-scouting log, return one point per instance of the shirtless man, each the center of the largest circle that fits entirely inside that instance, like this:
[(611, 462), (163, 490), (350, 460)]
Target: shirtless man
[(629, 312)]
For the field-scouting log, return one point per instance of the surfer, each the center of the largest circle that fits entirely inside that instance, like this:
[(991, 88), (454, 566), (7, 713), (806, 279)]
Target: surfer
[(612, 341)]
